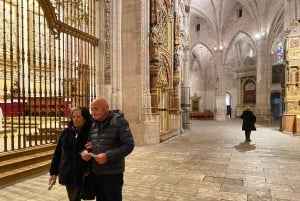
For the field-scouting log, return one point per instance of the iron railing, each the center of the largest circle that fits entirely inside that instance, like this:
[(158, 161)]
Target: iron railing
[(47, 66)]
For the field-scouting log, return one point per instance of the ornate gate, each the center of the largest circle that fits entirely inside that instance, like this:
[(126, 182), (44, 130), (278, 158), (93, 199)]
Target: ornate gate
[(47, 66)]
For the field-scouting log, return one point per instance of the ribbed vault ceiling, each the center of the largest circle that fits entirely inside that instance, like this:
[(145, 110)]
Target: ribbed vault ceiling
[(216, 11), (264, 14)]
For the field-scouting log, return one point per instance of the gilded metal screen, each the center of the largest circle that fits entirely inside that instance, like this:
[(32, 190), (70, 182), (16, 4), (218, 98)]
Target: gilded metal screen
[(47, 66)]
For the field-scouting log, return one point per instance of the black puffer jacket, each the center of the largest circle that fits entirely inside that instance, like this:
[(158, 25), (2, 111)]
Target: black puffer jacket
[(67, 162), (113, 137)]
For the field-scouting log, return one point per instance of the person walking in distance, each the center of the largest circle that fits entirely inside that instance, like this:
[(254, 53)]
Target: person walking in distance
[(249, 120), (110, 141), (67, 163)]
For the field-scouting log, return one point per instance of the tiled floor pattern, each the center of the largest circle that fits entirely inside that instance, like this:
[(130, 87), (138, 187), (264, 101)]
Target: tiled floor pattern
[(211, 162)]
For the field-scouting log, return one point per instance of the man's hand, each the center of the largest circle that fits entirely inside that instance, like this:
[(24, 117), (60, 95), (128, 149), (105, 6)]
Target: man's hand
[(88, 145), (101, 158)]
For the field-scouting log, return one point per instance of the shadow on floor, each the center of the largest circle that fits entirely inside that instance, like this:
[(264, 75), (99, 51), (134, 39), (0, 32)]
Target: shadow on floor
[(245, 146)]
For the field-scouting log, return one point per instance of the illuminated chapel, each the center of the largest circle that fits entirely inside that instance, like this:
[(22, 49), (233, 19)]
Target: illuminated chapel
[(161, 62)]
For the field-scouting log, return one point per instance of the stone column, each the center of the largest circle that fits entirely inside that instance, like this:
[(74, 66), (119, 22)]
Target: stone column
[(185, 95), (220, 93), (116, 75), (297, 9), (239, 92), (262, 108)]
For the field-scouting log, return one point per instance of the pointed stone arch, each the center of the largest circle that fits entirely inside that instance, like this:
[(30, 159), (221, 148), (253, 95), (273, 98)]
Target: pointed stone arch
[(237, 37), (163, 74), (195, 53)]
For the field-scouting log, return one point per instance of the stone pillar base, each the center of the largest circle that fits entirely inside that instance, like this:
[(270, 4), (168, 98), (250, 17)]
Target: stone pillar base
[(297, 125), (220, 117), (288, 123)]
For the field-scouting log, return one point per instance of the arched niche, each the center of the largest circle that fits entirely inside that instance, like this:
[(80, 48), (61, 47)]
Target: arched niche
[(249, 91), (195, 103), (246, 78)]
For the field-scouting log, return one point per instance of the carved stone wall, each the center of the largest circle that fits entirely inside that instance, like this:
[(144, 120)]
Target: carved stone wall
[(164, 61), (107, 42), (290, 122)]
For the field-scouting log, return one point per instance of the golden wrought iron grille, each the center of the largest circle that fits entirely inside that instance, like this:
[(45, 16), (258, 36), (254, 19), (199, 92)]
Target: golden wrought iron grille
[(47, 66)]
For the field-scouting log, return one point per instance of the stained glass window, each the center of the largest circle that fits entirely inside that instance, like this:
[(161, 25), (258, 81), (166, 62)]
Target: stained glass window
[(280, 53)]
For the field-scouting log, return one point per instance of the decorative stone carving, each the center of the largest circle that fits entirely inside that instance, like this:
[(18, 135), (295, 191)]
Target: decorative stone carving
[(176, 78), (107, 42), (154, 12), (164, 76), (294, 27), (176, 58), (177, 31), (292, 87), (153, 75), (154, 45)]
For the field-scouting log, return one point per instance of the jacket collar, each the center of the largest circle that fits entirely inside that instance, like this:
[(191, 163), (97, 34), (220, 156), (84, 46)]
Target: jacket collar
[(106, 120)]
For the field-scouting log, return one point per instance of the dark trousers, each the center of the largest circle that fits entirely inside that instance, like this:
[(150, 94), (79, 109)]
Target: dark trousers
[(74, 192), (247, 135), (109, 187)]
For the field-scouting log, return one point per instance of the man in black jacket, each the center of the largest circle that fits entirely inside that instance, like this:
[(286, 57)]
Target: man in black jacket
[(110, 141)]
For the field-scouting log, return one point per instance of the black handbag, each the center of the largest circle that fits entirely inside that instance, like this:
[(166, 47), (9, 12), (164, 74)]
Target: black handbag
[(88, 187)]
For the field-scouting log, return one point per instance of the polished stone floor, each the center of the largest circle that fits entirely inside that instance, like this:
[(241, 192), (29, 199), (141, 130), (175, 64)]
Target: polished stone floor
[(211, 162)]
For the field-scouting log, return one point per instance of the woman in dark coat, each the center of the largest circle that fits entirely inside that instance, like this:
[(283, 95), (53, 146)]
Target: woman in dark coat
[(66, 162), (249, 120)]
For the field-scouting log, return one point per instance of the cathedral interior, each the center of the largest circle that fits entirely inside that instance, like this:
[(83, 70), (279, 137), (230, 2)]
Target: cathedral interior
[(162, 62)]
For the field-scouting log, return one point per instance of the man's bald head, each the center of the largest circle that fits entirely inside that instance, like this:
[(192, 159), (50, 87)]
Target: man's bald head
[(100, 109), (100, 102)]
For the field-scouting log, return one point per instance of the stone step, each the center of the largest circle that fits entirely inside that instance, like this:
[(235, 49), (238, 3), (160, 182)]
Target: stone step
[(15, 175), (20, 164), (26, 151)]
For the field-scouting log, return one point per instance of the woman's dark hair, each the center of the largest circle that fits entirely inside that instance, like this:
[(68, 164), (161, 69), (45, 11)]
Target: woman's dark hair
[(85, 114)]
